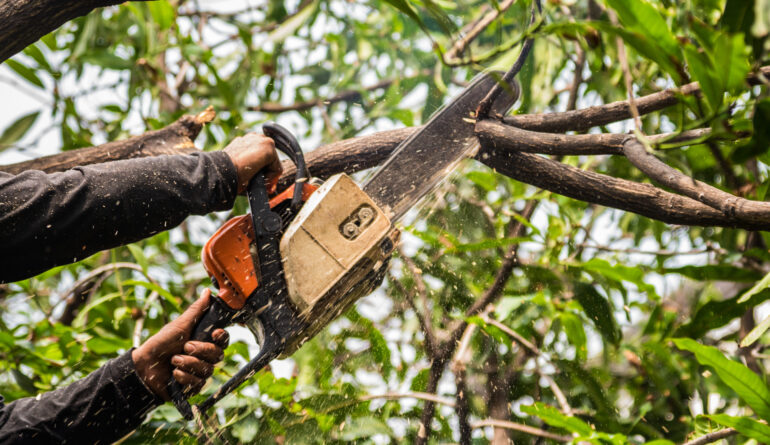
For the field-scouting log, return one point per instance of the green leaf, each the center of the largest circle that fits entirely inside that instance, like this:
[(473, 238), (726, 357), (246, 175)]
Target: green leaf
[(706, 75), (107, 345), (80, 318), (760, 139), (404, 7), (246, 429), (749, 386), (291, 25), (281, 389), (715, 314), (364, 427), (491, 243), (107, 60), (720, 272), (27, 73), (642, 17), (154, 287), (485, 180), (738, 16), (162, 13), (506, 305), (573, 327), (619, 272), (17, 130), (755, 289), (23, 381), (599, 310), (553, 417), (138, 255), (747, 426), (755, 333)]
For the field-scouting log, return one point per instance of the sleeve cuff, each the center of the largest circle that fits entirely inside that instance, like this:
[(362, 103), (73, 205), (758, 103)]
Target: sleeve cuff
[(137, 394)]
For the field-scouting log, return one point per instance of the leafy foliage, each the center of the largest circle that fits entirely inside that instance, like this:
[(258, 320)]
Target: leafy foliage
[(597, 293)]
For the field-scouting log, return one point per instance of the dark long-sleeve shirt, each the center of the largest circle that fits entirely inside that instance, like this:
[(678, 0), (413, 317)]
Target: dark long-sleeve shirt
[(53, 219), (100, 408)]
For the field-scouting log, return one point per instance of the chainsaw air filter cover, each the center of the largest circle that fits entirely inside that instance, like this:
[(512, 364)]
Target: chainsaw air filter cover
[(339, 240)]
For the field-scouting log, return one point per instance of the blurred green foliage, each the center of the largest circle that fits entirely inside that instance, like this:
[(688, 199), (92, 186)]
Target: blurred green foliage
[(598, 292)]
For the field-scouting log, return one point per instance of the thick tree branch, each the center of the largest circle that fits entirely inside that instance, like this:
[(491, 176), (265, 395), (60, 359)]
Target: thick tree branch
[(732, 206), (643, 199), (22, 22), (511, 138), (176, 138), (582, 120)]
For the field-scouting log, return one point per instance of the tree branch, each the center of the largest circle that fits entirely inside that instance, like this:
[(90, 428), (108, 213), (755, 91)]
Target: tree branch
[(472, 30), (176, 138), (587, 118), (731, 206), (712, 437), (643, 199), (511, 138), (22, 22), (520, 427)]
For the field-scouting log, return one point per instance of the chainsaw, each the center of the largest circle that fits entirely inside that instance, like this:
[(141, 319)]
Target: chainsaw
[(302, 258)]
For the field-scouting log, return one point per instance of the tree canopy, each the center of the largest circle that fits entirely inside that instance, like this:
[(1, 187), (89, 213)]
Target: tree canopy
[(596, 274)]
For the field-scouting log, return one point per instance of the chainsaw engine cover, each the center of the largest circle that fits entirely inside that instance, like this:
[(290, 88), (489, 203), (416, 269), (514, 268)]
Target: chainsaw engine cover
[(336, 244)]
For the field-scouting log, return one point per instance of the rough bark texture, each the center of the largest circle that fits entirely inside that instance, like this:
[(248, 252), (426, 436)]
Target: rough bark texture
[(176, 138), (22, 22), (752, 212)]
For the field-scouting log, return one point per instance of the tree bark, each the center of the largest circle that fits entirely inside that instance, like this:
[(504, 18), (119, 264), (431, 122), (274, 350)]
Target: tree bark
[(22, 22), (176, 138), (497, 152)]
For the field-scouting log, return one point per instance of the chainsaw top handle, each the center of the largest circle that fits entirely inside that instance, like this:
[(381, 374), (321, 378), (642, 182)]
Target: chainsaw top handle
[(288, 144)]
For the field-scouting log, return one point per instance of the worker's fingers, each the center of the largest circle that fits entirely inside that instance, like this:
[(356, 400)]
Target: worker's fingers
[(192, 384), (250, 154), (204, 351), (193, 365), (221, 338)]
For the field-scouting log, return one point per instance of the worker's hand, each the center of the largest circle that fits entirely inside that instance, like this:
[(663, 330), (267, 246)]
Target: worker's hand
[(250, 154), (192, 362)]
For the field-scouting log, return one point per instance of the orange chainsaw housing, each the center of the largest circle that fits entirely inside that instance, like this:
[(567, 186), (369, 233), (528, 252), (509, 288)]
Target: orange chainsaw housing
[(228, 256)]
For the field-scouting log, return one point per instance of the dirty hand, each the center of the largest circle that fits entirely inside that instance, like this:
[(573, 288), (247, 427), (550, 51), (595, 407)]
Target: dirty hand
[(192, 362), (250, 154)]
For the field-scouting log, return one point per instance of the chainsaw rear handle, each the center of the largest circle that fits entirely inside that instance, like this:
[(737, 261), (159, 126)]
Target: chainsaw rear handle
[(288, 144)]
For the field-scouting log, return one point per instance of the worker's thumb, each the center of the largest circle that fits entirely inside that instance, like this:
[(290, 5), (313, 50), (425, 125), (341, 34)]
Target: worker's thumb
[(194, 313)]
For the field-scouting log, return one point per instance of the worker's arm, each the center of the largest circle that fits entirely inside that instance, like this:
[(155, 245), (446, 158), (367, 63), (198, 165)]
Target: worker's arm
[(48, 220), (114, 400)]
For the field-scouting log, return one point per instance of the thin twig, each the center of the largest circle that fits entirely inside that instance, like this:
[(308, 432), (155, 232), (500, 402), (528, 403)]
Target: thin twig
[(410, 395), (485, 106), (473, 30), (520, 427), (529, 346), (626, 72), (712, 437)]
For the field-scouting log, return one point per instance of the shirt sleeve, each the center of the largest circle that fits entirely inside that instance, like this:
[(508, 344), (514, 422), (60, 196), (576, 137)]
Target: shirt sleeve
[(100, 408), (52, 219)]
